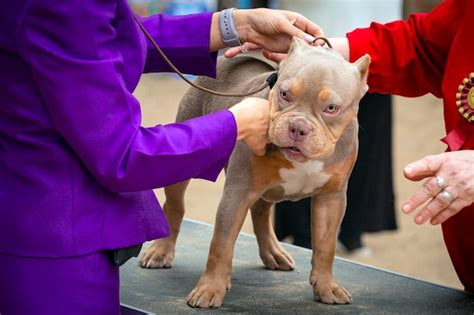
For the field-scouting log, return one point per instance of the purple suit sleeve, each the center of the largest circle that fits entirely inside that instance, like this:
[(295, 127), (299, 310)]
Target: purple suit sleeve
[(78, 71), (183, 39)]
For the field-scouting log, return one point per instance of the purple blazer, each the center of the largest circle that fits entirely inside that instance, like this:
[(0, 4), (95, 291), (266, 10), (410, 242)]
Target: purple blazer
[(76, 167)]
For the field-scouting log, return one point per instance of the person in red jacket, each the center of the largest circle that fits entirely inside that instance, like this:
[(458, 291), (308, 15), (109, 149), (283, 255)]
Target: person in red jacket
[(431, 53)]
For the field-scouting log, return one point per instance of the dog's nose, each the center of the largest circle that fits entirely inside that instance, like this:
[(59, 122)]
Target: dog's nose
[(299, 128)]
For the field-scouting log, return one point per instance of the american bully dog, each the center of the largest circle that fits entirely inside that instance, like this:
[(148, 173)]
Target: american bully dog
[(313, 134)]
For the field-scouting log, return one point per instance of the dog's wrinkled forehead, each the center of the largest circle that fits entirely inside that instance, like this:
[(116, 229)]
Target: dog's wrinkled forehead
[(311, 57), (316, 67), (320, 50)]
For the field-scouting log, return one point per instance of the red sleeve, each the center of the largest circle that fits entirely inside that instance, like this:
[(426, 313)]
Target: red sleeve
[(409, 57)]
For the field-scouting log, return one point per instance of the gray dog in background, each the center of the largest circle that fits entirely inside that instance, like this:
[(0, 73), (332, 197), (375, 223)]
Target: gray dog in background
[(313, 134)]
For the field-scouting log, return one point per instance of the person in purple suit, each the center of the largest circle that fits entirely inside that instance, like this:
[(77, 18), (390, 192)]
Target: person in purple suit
[(76, 168)]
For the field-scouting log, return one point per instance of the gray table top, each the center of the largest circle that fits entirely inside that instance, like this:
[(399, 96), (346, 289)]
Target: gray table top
[(256, 290)]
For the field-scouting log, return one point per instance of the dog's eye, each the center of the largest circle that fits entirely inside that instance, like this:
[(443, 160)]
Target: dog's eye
[(331, 109), (284, 95)]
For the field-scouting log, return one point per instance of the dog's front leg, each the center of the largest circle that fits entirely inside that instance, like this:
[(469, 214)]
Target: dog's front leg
[(326, 217), (213, 284)]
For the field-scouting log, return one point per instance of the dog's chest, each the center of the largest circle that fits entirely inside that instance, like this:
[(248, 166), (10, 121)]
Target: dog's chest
[(303, 178)]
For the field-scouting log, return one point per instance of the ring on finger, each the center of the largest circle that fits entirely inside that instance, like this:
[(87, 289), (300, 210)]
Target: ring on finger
[(440, 182), (447, 196), (243, 48)]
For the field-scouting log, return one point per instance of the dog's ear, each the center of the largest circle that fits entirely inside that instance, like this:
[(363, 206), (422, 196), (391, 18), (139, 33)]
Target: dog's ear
[(297, 45), (362, 65)]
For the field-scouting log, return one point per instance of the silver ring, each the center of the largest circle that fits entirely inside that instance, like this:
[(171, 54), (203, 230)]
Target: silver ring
[(446, 195), (243, 48), (440, 182)]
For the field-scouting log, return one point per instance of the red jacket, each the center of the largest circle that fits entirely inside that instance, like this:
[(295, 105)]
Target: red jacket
[(431, 53)]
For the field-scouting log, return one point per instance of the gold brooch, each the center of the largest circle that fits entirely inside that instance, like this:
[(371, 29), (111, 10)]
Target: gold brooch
[(465, 98)]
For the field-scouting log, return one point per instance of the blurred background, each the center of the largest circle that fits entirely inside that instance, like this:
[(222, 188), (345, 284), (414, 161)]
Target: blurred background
[(417, 251)]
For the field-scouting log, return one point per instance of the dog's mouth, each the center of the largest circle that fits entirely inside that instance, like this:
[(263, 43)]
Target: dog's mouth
[(293, 149), (293, 153)]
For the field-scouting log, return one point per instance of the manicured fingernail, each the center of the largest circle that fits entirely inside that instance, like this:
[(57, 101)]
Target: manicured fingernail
[(406, 208), (309, 38)]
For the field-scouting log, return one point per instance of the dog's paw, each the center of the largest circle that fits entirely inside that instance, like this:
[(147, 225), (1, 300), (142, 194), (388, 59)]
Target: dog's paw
[(274, 257), (208, 292), (159, 255), (327, 290)]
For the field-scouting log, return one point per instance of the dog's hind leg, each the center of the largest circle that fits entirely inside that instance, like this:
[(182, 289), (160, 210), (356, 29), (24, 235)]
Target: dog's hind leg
[(271, 252), (161, 252)]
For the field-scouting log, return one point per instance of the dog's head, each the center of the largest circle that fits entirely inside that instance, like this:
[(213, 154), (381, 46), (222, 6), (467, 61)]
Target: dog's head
[(315, 98)]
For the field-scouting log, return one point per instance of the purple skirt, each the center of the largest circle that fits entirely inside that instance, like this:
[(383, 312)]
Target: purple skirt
[(72, 285)]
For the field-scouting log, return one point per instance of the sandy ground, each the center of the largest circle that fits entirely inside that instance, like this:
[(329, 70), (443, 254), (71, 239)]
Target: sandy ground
[(414, 250)]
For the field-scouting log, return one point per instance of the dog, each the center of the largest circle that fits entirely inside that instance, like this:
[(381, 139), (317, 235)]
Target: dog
[(313, 146)]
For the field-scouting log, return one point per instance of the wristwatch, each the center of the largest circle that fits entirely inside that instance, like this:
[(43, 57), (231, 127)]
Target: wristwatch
[(229, 34)]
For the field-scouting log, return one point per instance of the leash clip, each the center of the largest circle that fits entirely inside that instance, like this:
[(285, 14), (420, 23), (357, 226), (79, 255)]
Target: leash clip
[(271, 79)]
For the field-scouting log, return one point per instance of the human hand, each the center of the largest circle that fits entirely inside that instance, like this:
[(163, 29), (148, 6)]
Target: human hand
[(274, 56), (252, 116), (271, 30), (340, 44), (449, 188)]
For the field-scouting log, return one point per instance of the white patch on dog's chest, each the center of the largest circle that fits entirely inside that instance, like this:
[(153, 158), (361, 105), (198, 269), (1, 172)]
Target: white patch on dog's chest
[(304, 178)]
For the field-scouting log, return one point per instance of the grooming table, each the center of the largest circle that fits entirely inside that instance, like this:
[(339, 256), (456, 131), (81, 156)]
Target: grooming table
[(256, 290)]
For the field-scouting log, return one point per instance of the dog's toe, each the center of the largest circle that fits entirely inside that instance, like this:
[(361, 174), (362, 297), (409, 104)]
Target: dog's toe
[(160, 262), (327, 290), (207, 294), (341, 296), (277, 259), (158, 256), (205, 298), (332, 294)]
